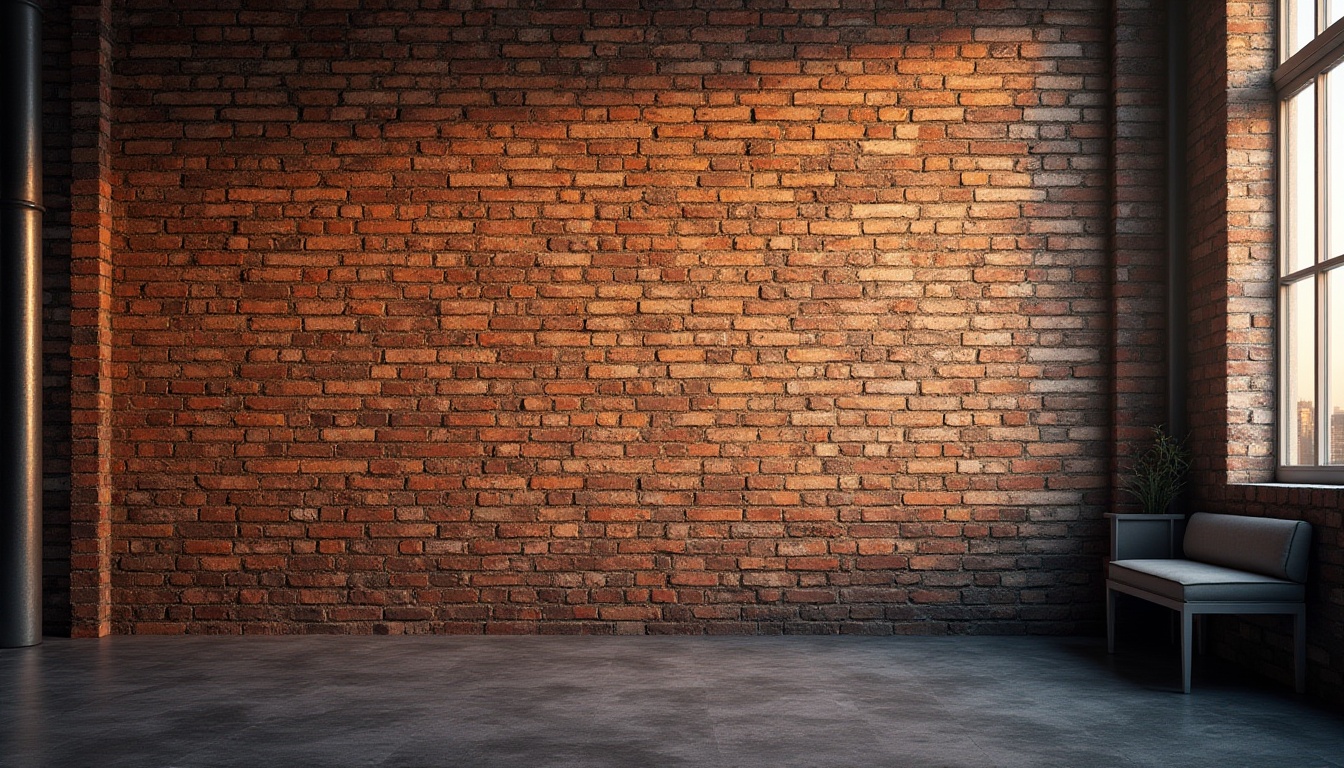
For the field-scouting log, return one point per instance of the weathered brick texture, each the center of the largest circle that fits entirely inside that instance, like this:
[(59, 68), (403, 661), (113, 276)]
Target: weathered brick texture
[(550, 317)]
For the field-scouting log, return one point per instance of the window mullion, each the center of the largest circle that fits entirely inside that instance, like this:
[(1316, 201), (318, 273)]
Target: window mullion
[(1322, 403), (1313, 58), (1322, 425), (1323, 383)]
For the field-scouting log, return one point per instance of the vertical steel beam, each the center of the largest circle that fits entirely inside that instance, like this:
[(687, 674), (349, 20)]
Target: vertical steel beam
[(1178, 324), (20, 323)]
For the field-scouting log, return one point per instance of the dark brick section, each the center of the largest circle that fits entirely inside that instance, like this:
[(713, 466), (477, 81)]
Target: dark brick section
[(1138, 235), (1266, 644), (56, 169)]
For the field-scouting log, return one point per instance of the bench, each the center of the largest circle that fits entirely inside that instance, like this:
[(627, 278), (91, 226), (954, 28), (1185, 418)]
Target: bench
[(1232, 565)]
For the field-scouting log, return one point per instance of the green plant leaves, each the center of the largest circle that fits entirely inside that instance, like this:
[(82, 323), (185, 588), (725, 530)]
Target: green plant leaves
[(1159, 473)]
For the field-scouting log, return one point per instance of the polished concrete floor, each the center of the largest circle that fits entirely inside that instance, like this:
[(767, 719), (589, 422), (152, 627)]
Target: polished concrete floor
[(154, 702)]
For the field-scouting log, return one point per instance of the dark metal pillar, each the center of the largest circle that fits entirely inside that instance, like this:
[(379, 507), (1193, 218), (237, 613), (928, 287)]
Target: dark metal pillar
[(1178, 355), (20, 323)]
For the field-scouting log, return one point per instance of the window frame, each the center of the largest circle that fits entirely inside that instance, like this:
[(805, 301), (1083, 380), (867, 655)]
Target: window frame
[(1323, 54)]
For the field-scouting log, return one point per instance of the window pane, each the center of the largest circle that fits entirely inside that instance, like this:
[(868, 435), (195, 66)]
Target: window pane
[(1334, 364), (1299, 366), (1334, 157), (1300, 180), (1301, 24), (1334, 11)]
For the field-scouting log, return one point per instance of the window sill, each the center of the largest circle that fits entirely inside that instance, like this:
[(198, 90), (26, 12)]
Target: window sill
[(1292, 485), (1330, 475)]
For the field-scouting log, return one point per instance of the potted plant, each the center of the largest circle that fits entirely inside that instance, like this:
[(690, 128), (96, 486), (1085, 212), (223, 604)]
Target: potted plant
[(1157, 477), (1159, 473)]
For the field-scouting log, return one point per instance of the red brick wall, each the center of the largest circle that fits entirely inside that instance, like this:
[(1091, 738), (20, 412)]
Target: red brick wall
[(755, 319), (1231, 147), (1207, 179), (1233, 257)]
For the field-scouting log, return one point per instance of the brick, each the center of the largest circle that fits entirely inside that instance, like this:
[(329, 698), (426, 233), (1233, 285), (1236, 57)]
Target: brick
[(531, 328)]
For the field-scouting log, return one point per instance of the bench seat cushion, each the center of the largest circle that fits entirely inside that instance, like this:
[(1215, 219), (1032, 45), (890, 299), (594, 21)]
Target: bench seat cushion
[(1191, 581)]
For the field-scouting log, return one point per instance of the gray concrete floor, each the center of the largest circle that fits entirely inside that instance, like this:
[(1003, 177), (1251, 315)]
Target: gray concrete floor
[(640, 701)]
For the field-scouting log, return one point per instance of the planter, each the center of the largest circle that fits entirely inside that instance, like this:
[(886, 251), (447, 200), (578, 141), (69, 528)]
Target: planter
[(1143, 537)]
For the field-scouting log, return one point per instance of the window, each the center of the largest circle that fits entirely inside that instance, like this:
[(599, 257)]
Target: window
[(1310, 86)]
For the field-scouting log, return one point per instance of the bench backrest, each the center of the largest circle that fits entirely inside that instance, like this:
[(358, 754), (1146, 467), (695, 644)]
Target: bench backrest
[(1263, 545)]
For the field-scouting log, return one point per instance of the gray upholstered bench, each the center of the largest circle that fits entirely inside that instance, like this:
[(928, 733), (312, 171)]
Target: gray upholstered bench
[(1232, 564)]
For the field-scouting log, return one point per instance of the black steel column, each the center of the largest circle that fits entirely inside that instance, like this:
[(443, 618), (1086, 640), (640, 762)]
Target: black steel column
[(1178, 281), (20, 323)]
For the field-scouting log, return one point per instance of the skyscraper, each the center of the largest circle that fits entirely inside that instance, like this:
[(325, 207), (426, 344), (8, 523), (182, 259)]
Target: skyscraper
[(1337, 436), (1306, 432)]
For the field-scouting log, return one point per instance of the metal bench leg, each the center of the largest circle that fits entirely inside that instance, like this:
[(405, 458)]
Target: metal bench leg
[(1187, 630), (1110, 620), (1300, 650)]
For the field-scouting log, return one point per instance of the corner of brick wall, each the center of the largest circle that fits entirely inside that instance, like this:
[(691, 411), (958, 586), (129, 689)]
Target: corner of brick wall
[(1206, 171), (90, 348), (1232, 292)]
